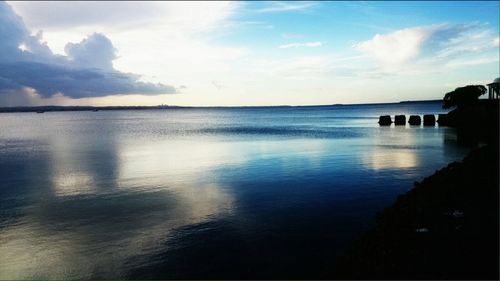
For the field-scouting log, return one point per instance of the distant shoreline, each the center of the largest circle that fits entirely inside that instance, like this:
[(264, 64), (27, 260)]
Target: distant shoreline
[(56, 108)]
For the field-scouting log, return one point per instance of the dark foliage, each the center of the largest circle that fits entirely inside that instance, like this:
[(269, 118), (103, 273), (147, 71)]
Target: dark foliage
[(463, 96)]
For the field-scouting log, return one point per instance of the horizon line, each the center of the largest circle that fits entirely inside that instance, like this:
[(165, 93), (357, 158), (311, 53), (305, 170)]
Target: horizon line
[(210, 106), (55, 108)]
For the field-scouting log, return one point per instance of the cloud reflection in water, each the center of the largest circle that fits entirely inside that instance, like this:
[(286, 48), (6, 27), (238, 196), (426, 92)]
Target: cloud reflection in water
[(86, 227), (394, 149)]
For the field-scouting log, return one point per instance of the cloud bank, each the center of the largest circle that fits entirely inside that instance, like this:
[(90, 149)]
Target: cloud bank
[(86, 71)]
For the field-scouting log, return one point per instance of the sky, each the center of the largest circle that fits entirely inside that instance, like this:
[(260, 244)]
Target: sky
[(243, 53)]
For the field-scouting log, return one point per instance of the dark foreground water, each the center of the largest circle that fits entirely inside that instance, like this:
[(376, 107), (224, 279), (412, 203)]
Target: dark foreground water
[(202, 193)]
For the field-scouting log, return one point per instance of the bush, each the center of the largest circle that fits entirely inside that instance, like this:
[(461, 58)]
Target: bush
[(463, 96)]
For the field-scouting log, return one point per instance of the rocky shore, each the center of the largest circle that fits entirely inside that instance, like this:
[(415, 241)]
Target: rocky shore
[(446, 227)]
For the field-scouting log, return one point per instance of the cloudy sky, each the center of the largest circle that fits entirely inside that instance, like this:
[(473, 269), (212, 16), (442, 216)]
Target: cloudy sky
[(243, 53)]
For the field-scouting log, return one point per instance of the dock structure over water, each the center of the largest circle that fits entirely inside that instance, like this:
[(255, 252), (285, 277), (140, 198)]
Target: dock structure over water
[(493, 89)]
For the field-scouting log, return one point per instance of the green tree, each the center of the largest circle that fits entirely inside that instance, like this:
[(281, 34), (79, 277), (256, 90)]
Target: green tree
[(463, 96)]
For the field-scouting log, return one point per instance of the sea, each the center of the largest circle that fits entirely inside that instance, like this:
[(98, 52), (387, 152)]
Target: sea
[(203, 193)]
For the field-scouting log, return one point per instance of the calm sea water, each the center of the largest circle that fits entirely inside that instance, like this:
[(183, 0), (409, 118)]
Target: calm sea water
[(202, 193)]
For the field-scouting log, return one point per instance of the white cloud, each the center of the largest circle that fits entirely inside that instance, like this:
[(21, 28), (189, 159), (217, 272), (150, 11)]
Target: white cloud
[(429, 46), (164, 41), (397, 47), (27, 62), (95, 51), (287, 6), (60, 15), (305, 44), (178, 43), (470, 62), (71, 21)]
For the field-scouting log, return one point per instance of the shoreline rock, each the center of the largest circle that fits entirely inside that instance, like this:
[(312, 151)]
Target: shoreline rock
[(446, 227)]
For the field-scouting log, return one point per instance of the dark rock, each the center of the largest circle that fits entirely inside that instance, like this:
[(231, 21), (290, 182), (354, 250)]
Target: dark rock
[(429, 120), (399, 120), (414, 120), (385, 120)]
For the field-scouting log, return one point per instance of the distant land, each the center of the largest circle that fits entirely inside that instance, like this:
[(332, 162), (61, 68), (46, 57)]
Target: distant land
[(51, 108)]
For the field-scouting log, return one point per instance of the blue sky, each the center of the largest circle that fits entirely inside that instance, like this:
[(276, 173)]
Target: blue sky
[(243, 53)]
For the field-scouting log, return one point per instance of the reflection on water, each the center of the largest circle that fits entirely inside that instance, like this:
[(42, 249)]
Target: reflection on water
[(398, 159), (400, 155), (99, 213), (190, 194), (73, 183), (173, 161)]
